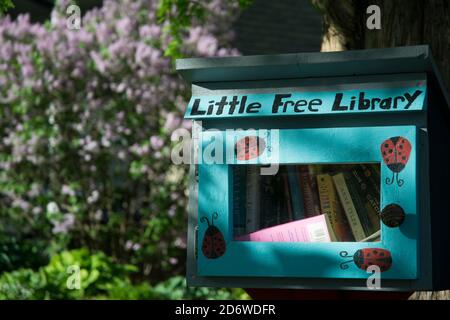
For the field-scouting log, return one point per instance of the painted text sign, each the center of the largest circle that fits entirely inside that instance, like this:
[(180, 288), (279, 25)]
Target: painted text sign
[(301, 103)]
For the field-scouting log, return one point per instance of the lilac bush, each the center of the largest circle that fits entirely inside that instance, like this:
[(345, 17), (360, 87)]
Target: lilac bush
[(85, 123)]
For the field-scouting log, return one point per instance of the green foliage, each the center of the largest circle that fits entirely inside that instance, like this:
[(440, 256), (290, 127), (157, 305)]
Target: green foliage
[(18, 251), (179, 15), (86, 119), (22, 284), (123, 289), (98, 275), (85, 125), (175, 288), (99, 278), (5, 5), (96, 271)]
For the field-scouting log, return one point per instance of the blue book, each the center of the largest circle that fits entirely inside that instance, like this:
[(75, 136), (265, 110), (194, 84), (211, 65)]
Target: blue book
[(296, 195)]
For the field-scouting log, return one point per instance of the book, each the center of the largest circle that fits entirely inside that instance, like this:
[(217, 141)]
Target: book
[(372, 173), (239, 194), (311, 202), (296, 196), (364, 186), (312, 229), (287, 196), (282, 201), (267, 201), (361, 210), (253, 199), (349, 207), (314, 170), (339, 228), (368, 190), (275, 199)]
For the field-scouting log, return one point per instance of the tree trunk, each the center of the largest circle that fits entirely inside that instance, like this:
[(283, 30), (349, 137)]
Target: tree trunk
[(403, 23)]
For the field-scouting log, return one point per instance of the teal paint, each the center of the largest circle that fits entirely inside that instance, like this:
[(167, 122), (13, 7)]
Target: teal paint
[(314, 260), (291, 103)]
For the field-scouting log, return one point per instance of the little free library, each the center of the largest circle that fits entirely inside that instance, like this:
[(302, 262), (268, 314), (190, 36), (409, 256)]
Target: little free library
[(357, 144), (288, 103)]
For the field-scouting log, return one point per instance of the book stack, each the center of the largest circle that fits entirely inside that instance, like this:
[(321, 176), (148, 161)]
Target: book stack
[(307, 203)]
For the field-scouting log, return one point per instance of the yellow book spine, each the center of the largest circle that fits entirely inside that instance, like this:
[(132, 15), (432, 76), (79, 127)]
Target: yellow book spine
[(327, 205)]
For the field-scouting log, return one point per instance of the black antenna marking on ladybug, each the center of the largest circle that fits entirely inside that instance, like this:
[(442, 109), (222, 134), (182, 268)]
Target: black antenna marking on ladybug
[(390, 181), (344, 265), (399, 181), (203, 219), (215, 215)]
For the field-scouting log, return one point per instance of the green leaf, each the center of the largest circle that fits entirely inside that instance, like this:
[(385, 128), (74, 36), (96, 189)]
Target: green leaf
[(5, 5)]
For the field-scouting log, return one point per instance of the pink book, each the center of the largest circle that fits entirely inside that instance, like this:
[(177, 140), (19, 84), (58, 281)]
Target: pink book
[(312, 229)]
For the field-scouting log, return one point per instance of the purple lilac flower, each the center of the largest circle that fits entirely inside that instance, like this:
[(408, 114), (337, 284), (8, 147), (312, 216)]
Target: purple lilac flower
[(77, 81), (156, 142)]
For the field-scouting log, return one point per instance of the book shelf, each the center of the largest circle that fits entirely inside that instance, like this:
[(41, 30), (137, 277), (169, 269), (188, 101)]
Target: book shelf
[(307, 203)]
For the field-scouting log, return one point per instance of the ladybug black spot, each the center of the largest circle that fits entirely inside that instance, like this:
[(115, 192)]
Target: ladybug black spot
[(390, 150), (400, 146), (404, 158), (386, 145), (375, 252), (384, 153)]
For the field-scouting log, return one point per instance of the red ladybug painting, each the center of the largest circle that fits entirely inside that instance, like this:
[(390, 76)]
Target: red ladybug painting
[(395, 152), (213, 245), (249, 147), (364, 258)]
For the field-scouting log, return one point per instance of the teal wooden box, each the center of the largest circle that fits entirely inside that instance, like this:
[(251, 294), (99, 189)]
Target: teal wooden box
[(322, 108)]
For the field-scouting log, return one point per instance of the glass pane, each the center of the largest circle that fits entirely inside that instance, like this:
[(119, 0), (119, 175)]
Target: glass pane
[(307, 203)]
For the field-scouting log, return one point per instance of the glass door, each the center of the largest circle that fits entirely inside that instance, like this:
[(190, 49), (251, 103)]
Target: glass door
[(309, 203)]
